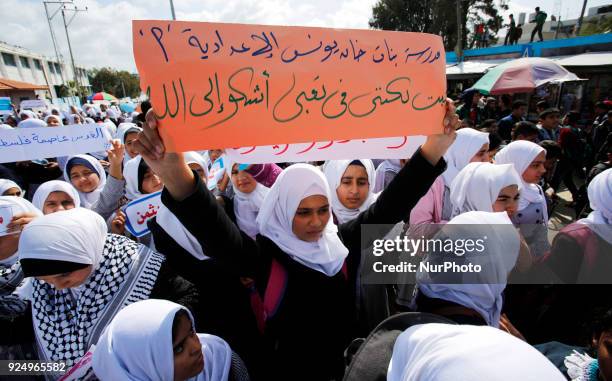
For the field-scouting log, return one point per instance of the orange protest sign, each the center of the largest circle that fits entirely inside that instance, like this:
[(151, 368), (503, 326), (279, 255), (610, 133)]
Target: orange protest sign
[(232, 85)]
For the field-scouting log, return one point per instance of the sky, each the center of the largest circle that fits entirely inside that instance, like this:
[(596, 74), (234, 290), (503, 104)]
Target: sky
[(102, 35)]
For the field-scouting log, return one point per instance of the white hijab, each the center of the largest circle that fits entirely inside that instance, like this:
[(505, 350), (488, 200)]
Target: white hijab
[(448, 352), (59, 118), (247, 205), (137, 346), (76, 235), (390, 165), (521, 153), (120, 133), (600, 197), (6, 184), (497, 261), (130, 173), (88, 199), (275, 220), (477, 186), (192, 157), (45, 189), (468, 143), (32, 123), (334, 170), (5, 127)]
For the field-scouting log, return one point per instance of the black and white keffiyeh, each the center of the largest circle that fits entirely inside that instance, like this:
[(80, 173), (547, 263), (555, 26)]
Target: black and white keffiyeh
[(67, 323)]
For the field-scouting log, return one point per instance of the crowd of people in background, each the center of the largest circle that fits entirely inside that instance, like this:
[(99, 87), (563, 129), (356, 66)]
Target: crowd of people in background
[(255, 271)]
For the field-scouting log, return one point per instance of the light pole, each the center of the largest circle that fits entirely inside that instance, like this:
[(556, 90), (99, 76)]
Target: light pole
[(172, 9), (53, 38), (66, 24)]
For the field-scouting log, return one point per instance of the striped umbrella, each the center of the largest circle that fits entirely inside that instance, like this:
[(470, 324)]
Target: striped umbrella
[(522, 75), (103, 97)]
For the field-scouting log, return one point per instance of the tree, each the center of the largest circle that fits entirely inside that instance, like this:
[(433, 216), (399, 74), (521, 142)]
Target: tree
[(439, 17), (599, 25), (114, 82)]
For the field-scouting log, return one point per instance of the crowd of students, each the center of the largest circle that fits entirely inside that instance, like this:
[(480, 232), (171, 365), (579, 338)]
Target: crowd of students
[(255, 271)]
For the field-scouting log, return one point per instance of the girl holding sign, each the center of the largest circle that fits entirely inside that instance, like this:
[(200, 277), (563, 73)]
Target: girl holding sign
[(84, 276), (156, 340), (312, 322)]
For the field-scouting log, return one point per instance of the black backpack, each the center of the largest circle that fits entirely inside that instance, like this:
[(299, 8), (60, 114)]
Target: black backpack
[(368, 359)]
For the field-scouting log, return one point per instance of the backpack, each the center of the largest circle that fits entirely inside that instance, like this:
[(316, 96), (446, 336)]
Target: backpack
[(368, 359), (266, 307)]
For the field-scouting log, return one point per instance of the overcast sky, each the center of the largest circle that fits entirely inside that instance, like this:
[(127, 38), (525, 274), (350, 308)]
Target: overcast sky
[(102, 35)]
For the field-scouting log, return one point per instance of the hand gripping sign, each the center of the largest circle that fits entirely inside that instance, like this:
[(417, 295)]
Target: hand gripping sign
[(231, 85)]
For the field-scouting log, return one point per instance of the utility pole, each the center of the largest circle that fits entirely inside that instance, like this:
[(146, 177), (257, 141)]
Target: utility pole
[(66, 24), (459, 44), (172, 9), (123, 88), (579, 26), (53, 38)]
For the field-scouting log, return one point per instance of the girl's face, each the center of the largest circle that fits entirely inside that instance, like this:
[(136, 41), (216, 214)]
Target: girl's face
[(53, 121), (57, 201), (482, 155), (242, 180), (536, 169), (200, 171), (12, 192), (214, 154), (151, 182), (187, 349), (129, 143), (311, 218), (67, 280), (84, 179), (354, 187), (507, 200)]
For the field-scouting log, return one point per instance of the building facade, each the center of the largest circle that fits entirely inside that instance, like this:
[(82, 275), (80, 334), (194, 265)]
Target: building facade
[(20, 64)]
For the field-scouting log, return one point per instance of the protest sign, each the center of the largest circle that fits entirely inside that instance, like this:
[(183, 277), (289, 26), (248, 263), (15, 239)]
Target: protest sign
[(21, 144), (6, 214), (382, 148), (33, 104), (138, 212), (215, 174), (230, 85), (5, 106)]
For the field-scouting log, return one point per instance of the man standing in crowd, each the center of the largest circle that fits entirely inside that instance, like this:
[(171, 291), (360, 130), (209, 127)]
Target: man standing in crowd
[(548, 127), (540, 18), (519, 108), (511, 31)]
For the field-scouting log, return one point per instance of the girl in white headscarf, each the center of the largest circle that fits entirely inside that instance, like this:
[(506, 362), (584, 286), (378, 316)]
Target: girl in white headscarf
[(97, 191), (10, 188), (581, 251), (351, 184), (198, 163), (473, 297), (532, 215), (54, 196), (486, 187), (167, 347), (139, 179), (84, 276), (54, 121), (445, 352), (435, 207), (385, 172), (127, 133), (32, 123)]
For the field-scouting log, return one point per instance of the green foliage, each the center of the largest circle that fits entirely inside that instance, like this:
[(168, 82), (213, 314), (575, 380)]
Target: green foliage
[(109, 80), (599, 25), (438, 17)]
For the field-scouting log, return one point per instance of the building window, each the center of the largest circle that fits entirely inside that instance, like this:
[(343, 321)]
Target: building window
[(58, 68), (9, 59), (37, 64), (24, 62), (51, 69)]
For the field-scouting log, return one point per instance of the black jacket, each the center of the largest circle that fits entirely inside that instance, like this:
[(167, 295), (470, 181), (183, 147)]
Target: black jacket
[(316, 317)]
